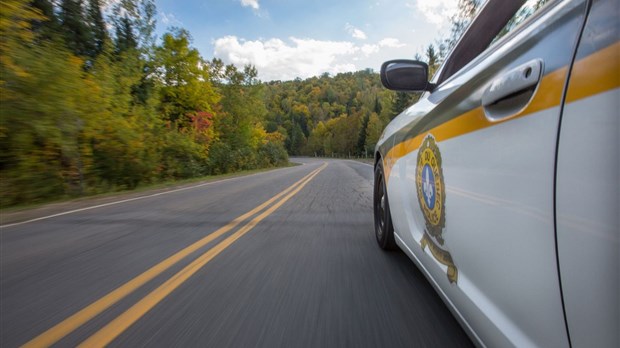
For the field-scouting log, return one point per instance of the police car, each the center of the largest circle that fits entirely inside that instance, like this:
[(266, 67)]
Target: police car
[(502, 182)]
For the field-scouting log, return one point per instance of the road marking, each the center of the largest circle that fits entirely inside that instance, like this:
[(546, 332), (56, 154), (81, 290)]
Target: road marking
[(117, 326), (2, 227), (76, 320), (358, 162)]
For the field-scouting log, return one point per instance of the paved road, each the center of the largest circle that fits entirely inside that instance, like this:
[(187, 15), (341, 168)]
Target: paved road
[(187, 268)]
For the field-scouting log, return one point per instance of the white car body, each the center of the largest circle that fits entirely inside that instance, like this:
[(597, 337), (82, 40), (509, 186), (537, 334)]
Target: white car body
[(525, 247)]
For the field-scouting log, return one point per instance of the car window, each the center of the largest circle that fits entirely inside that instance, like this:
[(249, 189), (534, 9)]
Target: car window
[(526, 11), (479, 35)]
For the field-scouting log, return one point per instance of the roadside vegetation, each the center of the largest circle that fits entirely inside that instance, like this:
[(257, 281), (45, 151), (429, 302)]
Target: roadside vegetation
[(91, 101)]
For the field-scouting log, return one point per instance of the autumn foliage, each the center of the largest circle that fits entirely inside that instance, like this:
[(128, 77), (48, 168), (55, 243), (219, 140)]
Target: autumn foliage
[(93, 102)]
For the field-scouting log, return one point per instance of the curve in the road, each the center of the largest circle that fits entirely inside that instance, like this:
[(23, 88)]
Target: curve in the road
[(120, 324)]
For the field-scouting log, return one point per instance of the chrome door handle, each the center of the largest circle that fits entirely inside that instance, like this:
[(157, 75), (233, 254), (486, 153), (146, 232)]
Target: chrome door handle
[(510, 93)]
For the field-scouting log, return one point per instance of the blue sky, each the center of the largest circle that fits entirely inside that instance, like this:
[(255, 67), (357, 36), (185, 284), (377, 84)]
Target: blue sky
[(286, 39)]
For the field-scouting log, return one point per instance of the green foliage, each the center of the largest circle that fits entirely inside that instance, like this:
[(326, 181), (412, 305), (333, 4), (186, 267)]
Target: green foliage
[(296, 141), (16, 18), (181, 157), (183, 80), (373, 132), (224, 158), (82, 113), (242, 104), (401, 102), (85, 110), (75, 28), (432, 59), (243, 142), (318, 141), (41, 124), (125, 38), (48, 24), (327, 115), (97, 27), (272, 154), (136, 18)]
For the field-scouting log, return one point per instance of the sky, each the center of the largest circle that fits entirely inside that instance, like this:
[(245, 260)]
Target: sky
[(288, 39)]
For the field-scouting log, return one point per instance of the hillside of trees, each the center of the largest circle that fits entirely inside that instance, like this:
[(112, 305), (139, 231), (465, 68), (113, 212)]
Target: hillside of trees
[(91, 101), (339, 116)]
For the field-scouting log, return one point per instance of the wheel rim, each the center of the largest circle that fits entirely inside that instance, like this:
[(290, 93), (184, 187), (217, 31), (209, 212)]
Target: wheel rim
[(380, 208)]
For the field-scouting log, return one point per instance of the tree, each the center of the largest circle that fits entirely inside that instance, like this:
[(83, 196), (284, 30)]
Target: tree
[(243, 108), (97, 27), (125, 37), (145, 23), (373, 132), (433, 60), (47, 26), (134, 26), (403, 100), (183, 80), (317, 140), (361, 138), (377, 108), (296, 141), (16, 18), (80, 113), (78, 35), (300, 114), (41, 147), (140, 16)]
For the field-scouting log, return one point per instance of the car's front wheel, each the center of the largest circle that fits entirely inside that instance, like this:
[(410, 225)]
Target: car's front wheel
[(384, 231)]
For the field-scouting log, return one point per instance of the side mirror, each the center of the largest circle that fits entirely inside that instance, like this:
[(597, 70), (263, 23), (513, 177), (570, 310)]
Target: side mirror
[(405, 75)]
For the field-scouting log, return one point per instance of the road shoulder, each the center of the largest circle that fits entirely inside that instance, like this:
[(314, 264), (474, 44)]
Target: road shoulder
[(11, 216)]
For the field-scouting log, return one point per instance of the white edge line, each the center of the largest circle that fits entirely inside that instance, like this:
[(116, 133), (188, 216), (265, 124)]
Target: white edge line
[(366, 164), (129, 200)]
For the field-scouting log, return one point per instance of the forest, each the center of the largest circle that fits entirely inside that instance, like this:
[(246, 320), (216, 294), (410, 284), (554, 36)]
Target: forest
[(92, 101)]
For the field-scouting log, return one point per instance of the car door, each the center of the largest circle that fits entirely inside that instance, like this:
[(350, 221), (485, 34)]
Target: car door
[(588, 190), (472, 179)]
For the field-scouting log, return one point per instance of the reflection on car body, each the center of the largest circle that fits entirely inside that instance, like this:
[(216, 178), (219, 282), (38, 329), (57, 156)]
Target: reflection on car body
[(502, 182)]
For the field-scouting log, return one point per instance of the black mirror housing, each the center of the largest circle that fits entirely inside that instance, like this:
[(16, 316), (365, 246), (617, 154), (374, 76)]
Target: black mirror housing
[(405, 75)]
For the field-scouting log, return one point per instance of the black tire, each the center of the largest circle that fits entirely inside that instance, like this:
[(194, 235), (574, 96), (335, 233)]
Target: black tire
[(384, 231)]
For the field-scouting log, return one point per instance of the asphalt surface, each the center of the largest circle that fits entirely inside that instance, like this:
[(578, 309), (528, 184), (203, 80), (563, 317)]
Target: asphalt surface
[(307, 274)]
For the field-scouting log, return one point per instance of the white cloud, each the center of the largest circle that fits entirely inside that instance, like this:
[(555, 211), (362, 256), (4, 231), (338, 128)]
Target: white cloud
[(391, 42), (279, 60), (358, 34), (369, 49), (250, 3), (287, 59), (436, 12), (355, 32)]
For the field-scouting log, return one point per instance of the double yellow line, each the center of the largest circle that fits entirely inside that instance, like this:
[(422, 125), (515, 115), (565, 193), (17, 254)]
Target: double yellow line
[(130, 316)]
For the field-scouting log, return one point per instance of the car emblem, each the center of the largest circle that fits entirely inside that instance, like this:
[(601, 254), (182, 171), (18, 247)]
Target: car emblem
[(432, 199)]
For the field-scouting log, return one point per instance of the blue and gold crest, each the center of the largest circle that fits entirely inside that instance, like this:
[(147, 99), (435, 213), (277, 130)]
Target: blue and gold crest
[(431, 196)]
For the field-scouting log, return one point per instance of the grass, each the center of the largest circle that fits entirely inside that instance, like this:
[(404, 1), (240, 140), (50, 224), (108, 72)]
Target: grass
[(169, 184)]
